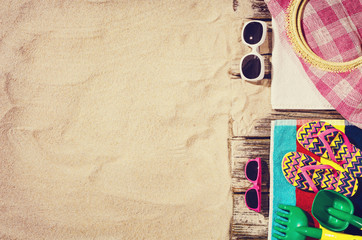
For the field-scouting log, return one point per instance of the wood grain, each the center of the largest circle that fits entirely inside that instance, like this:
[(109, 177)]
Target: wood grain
[(263, 126), (248, 224), (255, 9)]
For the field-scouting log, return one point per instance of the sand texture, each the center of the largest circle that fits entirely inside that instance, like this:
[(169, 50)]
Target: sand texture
[(114, 119)]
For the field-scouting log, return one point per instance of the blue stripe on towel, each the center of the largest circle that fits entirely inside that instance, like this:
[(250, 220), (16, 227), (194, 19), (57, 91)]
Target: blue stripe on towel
[(283, 137)]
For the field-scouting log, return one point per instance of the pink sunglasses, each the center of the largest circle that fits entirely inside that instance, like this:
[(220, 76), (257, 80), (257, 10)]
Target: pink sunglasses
[(253, 194)]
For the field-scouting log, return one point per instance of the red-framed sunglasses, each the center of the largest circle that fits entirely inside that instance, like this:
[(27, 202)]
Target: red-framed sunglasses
[(253, 194)]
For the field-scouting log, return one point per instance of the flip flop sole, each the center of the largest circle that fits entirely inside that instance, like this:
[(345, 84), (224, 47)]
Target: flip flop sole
[(293, 163), (349, 160)]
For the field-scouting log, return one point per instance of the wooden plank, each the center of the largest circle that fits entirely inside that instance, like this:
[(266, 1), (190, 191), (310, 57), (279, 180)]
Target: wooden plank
[(248, 224), (262, 127), (251, 9), (243, 149), (267, 46)]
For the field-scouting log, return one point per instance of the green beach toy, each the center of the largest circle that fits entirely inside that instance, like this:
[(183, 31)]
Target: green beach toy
[(293, 225), (334, 211)]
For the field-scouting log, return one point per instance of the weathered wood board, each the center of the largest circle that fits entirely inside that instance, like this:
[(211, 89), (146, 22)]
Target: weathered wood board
[(248, 224), (258, 7)]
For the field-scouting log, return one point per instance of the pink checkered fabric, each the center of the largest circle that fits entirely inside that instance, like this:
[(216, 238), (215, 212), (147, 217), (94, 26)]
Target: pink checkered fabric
[(333, 30)]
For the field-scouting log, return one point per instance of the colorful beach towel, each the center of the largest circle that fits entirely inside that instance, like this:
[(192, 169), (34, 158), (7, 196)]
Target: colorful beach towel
[(284, 140)]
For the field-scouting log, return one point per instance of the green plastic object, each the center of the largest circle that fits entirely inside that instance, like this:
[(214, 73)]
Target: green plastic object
[(294, 224), (334, 211), (350, 218)]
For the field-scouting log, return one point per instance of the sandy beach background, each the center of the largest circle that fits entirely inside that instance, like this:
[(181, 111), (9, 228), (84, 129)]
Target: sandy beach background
[(115, 117)]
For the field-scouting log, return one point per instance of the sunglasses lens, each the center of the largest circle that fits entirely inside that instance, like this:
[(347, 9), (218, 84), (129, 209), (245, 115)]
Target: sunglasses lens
[(253, 32), (251, 198), (252, 170), (251, 66)]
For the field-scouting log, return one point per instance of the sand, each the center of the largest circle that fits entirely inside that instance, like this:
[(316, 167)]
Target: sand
[(115, 119)]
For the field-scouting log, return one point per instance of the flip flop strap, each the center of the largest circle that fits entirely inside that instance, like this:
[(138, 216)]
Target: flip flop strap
[(314, 167), (322, 135)]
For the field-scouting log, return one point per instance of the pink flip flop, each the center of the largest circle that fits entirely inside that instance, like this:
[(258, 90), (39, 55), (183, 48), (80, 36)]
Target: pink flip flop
[(306, 173), (327, 142)]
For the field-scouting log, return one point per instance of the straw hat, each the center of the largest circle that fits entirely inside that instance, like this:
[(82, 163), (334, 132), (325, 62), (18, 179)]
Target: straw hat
[(326, 36)]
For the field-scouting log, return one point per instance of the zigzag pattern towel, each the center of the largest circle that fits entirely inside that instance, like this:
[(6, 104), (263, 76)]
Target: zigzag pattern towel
[(284, 140)]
